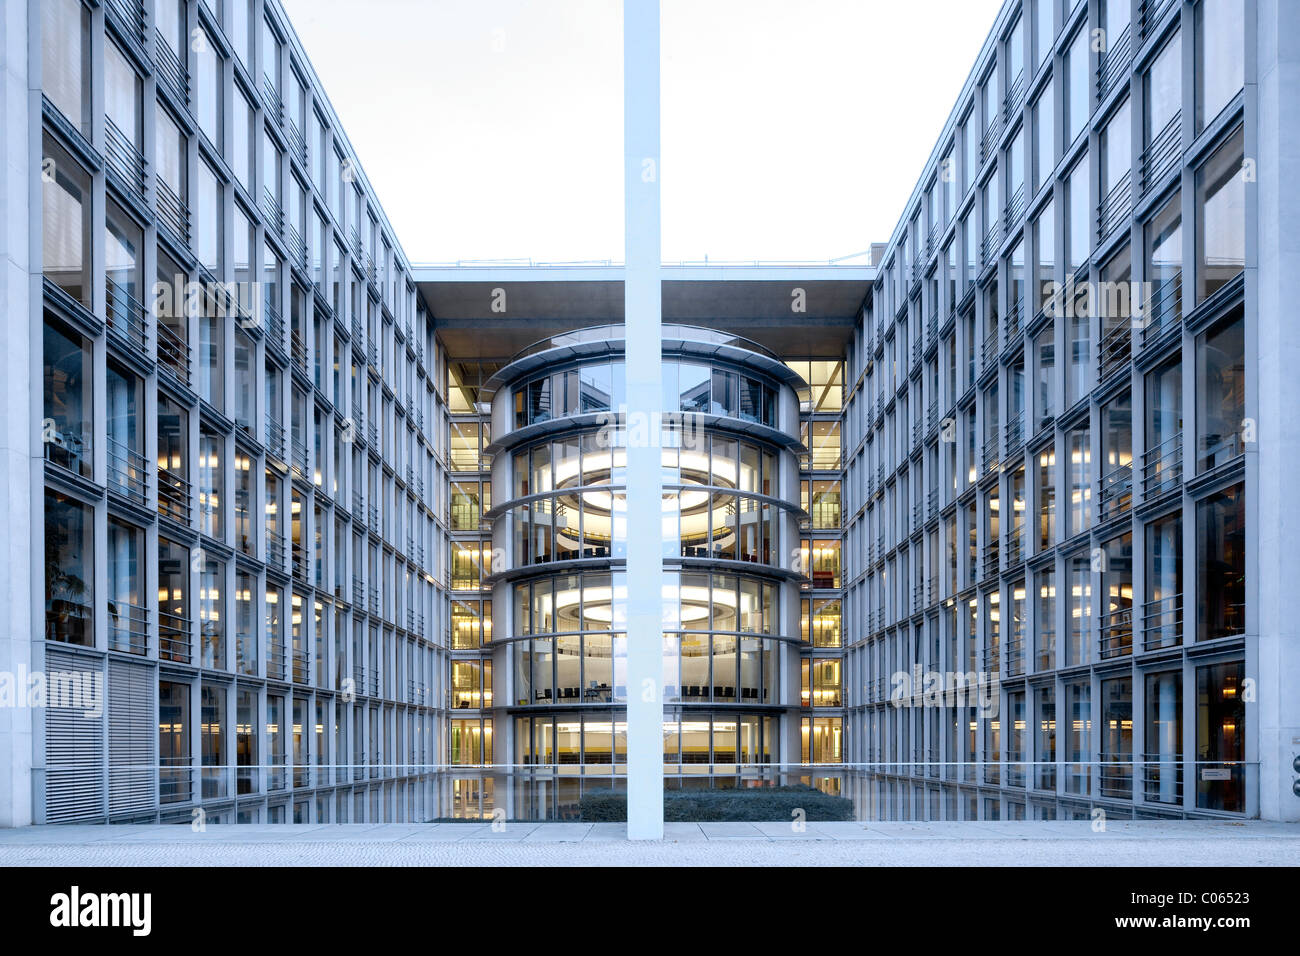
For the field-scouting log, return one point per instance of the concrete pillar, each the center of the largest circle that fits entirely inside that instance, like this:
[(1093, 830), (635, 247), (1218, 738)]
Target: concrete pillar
[(19, 461), (643, 315), (1275, 563)]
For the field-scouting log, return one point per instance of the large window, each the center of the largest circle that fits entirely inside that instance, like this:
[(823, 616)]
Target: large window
[(122, 112), (67, 426), (1221, 564), (209, 226), (65, 211), (1220, 56), (65, 59), (1044, 120), (1221, 737), (126, 463), (1220, 218), (1162, 465), (1078, 98), (69, 570), (1220, 392), (1164, 267), (1162, 617), (175, 775), (208, 90), (1164, 91), (173, 460), (128, 618)]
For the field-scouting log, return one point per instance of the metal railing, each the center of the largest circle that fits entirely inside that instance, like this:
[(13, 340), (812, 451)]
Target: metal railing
[(1113, 211), (173, 496), (128, 471), (124, 157), (1114, 63), (1163, 310), (274, 433), (128, 628), (1116, 638), (1162, 622), (1115, 494), (127, 316), (173, 214), (170, 69), (1162, 778), (173, 352), (1162, 154), (1151, 13), (173, 637), (1162, 467), (1115, 348)]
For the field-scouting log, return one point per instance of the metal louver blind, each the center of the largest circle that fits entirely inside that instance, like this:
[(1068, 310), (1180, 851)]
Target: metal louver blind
[(74, 747), (132, 736)]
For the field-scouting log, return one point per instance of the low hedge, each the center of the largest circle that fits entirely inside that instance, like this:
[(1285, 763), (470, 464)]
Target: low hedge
[(741, 804)]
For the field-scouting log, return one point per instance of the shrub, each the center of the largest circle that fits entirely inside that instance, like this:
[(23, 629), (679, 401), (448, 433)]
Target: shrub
[(742, 804)]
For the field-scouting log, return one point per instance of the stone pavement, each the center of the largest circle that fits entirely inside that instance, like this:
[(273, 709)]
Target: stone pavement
[(1122, 843)]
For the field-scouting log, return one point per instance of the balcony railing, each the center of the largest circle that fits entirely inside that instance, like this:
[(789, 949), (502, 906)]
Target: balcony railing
[(1162, 467), (1162, 778), (173, 353), (127, 315), (170, 69), (1151, 13), (130, 14), (271, 99), (275, 659), (1115, 494), (1115, 348), (274, 437), (989, 350), (1162, 622), (128, 472), (296, 141), (1014, 431), (1113, 66), (273, 212), (989, 142), (1116, 638), (1113, 211), (1013, 211), (128, 628), (1014, 99), (298, 455), (1163, 310), (298, 349), (173, 496), (991, 459), (1015, 545), (273, 326), (124, 158), (173, 637), (173, 214), (1162, 154)]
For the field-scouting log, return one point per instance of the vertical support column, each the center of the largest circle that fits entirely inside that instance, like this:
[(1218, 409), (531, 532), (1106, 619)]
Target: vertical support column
[(643, 316), (20, 461), (1274, 564)]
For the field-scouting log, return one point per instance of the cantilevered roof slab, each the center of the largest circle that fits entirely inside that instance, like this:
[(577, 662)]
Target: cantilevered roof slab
[(489, 311)]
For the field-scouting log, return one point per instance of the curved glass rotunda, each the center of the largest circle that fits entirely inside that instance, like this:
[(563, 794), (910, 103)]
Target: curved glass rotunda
[(729, 439)]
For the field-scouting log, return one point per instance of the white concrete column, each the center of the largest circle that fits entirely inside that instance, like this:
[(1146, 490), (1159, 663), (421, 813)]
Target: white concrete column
[(1275, 563), (643, 315), (19, 464)]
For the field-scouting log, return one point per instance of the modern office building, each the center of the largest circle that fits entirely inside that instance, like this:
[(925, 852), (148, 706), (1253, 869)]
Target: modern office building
[(333, 537)]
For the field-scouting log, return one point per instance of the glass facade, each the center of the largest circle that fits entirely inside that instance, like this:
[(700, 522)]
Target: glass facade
[(1152, 332), (357, 576)]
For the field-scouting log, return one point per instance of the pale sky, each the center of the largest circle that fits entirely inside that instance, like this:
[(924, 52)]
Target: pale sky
[(791, 129)]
